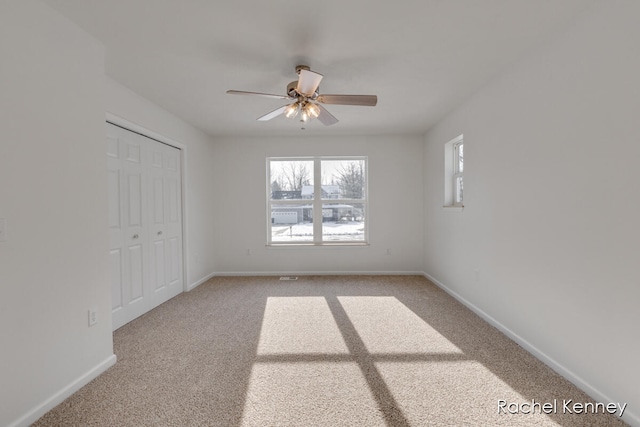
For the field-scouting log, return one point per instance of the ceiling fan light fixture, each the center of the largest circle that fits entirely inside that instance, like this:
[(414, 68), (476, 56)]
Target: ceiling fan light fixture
[(292, 110), (312, 110)]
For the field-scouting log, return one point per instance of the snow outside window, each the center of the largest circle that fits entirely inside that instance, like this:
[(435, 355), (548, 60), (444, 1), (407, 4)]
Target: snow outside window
[(316, 200)]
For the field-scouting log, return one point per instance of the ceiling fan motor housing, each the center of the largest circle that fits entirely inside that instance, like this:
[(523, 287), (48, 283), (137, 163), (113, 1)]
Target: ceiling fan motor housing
[(302, 67), (291, 91)]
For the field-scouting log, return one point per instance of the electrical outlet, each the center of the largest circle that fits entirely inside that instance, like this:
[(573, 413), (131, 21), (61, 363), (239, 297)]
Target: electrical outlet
[(93, 316)]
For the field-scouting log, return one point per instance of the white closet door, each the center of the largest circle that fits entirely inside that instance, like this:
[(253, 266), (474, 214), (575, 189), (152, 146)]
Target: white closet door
[(146, 243), (166, 222), (116, 225)]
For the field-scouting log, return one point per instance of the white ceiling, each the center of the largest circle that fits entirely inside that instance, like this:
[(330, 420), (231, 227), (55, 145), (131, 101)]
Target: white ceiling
[(421, 57)]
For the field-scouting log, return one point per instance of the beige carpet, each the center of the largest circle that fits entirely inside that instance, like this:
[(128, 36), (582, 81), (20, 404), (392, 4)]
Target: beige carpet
[(320, 351)]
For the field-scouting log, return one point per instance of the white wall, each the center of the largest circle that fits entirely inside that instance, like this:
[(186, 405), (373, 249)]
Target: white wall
[(200, 203), (550, 222), (395, 206), (54, 264)]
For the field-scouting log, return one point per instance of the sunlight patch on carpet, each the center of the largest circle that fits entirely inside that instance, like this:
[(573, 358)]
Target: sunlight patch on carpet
[(299, 325), (464, 393), (309, 394), (385, 325)]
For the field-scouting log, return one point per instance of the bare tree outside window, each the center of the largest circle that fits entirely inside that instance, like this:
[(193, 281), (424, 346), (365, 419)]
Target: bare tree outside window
[(288, 178), (296, 175), (347, 175), (350, 179), (275, 186)]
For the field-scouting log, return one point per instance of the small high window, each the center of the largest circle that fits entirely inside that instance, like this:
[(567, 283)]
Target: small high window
[(454, 173)]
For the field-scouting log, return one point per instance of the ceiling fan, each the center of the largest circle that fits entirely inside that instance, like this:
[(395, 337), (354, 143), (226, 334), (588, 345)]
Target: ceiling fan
[(306, 100)]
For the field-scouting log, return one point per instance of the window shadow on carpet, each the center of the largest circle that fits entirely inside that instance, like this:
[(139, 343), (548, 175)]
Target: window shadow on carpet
[(323, 350)]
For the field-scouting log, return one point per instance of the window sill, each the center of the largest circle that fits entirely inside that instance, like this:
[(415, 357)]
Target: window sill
[(319, 245), (453, 208)]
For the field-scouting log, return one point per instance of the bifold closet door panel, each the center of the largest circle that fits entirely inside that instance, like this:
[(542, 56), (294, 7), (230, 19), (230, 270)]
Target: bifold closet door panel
[(126, 152), (165, 200)]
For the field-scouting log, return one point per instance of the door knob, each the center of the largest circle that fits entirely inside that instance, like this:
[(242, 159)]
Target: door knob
[(135, 236), (159, 233)]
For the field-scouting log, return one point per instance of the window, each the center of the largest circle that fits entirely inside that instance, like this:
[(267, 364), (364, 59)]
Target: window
[(454, 173), (458, 169), (316, 200)]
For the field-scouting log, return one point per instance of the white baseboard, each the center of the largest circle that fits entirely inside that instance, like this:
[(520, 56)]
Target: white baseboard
[(318, 273), (33, 415), (629, 416), (200, 282)]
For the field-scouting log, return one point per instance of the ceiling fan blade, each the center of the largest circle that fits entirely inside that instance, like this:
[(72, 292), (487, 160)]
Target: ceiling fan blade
[(266, 95), (308, 82), (326, 117), (273, 114), (364, 100)]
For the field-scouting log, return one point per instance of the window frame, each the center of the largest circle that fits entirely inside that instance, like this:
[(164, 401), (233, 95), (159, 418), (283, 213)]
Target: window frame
[(458, 175), (452, 174), (317, 202)]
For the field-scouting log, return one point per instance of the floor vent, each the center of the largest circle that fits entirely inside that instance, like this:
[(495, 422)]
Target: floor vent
[(288, 278)]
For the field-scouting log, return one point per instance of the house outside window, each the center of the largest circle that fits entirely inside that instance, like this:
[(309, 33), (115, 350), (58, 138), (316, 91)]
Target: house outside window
[(317, 200)]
